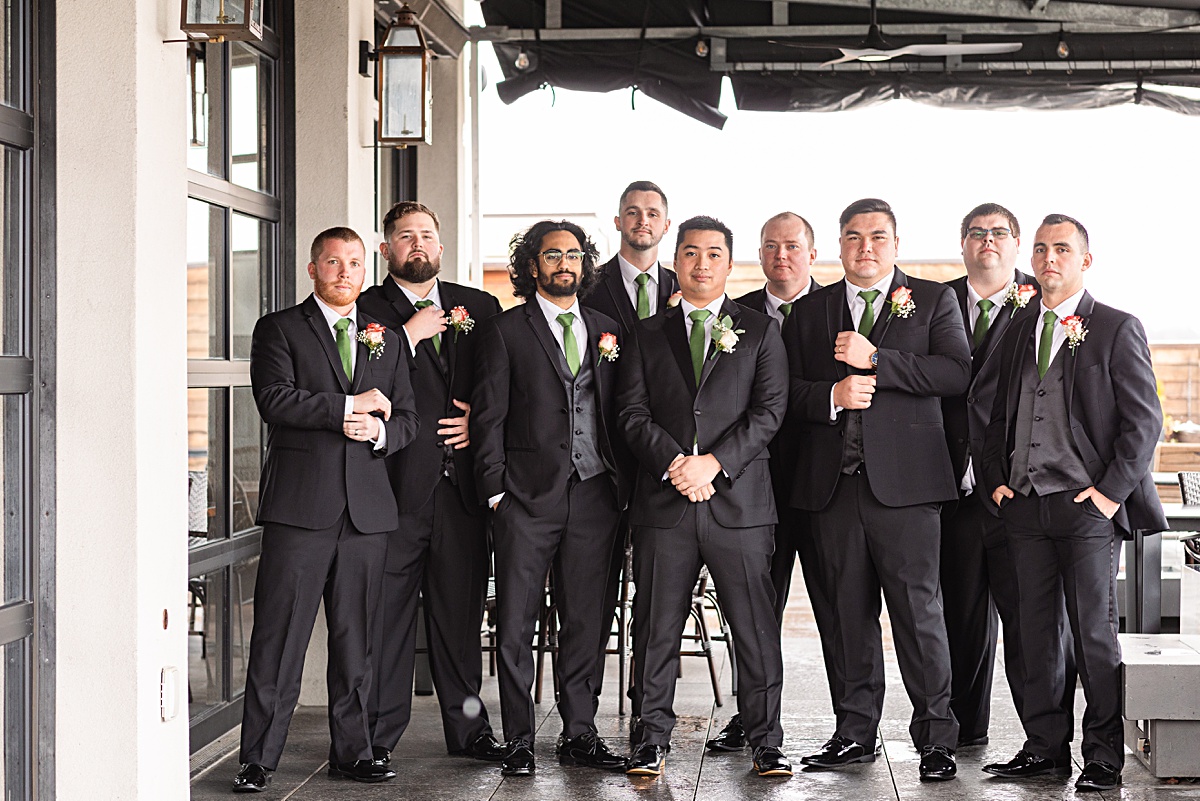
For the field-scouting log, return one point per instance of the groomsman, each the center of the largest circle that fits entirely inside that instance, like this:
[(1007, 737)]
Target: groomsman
[(1066, 459), (703, 392), (548, 461), (334, 391), (786, 253), (979, 581), (439, 551), (871, 356)]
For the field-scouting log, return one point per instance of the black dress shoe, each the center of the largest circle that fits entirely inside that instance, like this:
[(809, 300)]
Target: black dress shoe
[(647, 760), (484, 747), (380, 755), (937, 764), (968, 742), (588, 750), (1098, 776), (251, 779), (731, 738), (364, 770), (1027, 764), (518, 759), (770, 761), (838, 752)]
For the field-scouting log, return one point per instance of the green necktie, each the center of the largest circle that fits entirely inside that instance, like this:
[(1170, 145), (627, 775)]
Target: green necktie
[(696, 341), (437, 338), (643, 297), (983, 321), (867, 321), (570, 346), (343, 346), (1048, 321), (785, 309)]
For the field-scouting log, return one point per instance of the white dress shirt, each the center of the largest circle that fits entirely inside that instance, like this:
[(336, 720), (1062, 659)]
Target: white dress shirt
[(773, 303), (1063, 310), (331, 318), (579, 328), (857, 307), (967, 484), (629, 275), (435, 295), (687, 309)]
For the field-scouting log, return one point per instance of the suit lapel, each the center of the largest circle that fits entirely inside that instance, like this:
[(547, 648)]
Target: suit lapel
[(450, 299), (666, 287), (406, 310), (362, 354), (325, 337), (677, 339), (728, 309), (1084, 310), (879, 331), (835, 313), (1023, 333), (541, 330), (616, 289)]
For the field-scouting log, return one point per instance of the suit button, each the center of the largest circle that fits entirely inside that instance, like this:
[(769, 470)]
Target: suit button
[(564, 411), (1037, 419), (1034, 444), (563, 446), (970, 400), (578, 433), (697, 412), (1032, 469), (1041, 392), (578, 408)]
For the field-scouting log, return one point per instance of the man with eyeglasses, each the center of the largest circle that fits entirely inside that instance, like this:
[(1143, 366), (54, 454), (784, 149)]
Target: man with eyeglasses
[(979, 583), (550, 463)]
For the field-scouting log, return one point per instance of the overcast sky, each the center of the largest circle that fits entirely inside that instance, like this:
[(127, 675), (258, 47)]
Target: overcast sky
[(1128, 173)]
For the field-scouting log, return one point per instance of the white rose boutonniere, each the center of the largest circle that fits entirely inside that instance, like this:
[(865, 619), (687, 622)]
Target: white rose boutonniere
[(725, 336)]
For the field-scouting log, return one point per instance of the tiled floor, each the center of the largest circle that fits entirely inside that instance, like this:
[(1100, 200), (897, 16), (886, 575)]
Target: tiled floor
[(426, 773)]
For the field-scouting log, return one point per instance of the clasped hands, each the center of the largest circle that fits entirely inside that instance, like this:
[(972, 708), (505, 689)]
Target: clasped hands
[(360, 425), (693, 476), (854, 391)]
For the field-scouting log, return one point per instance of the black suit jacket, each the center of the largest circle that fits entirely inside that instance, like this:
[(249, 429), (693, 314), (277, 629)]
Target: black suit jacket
[(922, 358), (783, 446), (966, 416), (1112, 405), (610, 297), (519, 416), (416, 470), (733, 414), (313, 472)]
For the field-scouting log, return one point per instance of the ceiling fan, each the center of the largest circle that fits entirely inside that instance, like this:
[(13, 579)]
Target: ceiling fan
[(876, 48)]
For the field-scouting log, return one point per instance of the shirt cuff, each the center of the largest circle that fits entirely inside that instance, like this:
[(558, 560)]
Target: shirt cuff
[(381, 442), (412, 346), (833, 407), (495, 499), (349, 405)]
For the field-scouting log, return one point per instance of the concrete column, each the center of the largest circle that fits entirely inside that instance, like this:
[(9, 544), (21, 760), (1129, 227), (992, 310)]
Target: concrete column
[(121, 421), (443, 168)]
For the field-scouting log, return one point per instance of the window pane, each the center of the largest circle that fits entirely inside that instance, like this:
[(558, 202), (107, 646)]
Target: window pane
[(12, 58), (207, 496), (206, 108), (250, 105), (12, 217), (205, 280), (12, 409), (247, 458), (253, 284), (206, 624), (245, 574)]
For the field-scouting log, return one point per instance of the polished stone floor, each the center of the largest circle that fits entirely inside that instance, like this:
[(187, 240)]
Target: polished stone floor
[(426, 773)]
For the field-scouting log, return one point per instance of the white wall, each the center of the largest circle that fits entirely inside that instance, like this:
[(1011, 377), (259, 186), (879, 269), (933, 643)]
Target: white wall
[(121, 374)]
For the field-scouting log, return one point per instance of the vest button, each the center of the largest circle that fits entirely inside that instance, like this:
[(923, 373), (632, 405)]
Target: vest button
[(577, 456), (579, 408), (1032, 469), (578, 432), (1041, 393), (1037, 419)]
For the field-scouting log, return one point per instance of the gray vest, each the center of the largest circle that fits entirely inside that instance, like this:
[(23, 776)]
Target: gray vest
[(1045, 458), (584, 419)]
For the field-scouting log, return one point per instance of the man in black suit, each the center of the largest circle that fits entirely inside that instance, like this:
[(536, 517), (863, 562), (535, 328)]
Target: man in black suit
[(871, 357), (323, 375), (1066, 459), (549, 462), (438, 554), (703, 391), (979, 582), (786, 253)]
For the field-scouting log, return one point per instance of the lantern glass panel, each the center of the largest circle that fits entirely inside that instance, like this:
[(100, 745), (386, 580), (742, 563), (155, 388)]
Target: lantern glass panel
[(403, 36), (219, 12), (402, 107)]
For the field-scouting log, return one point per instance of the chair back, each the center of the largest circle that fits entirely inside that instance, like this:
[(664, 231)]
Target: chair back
[(1189, 487)]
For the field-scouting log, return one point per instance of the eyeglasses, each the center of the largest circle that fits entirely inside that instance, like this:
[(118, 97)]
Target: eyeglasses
[(553, 257), (982, 233)]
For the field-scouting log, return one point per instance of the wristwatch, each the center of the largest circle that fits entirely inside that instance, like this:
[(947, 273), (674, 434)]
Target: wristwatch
[(875, 358)]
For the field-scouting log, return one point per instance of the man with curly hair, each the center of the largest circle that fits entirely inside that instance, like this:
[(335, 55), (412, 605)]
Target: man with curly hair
[(548, 462)]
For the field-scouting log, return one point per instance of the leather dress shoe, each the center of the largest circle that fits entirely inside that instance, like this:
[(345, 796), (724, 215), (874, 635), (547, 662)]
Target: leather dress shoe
[(380, 755), (364, 770), (484, 747), (770, 761), (647, 760), (937, 764), (1098, 776), (968, 742), (589, 750), (1026, 764), (731, 738), (518, 759), (837, 752), (251, 778)]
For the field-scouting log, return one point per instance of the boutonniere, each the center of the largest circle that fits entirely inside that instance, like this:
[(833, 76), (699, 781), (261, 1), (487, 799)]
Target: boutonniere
[(372, 337), (609, 349), (902, 302), (460, 320), (673, 301), (724, 336), (1076, 331), (1018, 296)]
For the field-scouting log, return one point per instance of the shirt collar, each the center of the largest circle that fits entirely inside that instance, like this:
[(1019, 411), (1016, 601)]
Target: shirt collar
[(773, 303), (997, 299), (630, 273), (1067, 307), (714, 307), (551, 312), (882, 285), (434, 295), (331, 316)]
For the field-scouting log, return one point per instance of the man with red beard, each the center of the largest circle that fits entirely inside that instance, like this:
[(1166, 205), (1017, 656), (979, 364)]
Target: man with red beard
[(333, 387), (439, 551)]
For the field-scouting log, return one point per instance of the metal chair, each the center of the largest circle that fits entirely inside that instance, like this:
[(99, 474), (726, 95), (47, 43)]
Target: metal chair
[(1189, 487)]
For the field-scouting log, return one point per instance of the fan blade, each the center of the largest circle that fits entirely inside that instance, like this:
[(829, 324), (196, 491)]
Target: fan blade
[(960, 49), (870, 54)]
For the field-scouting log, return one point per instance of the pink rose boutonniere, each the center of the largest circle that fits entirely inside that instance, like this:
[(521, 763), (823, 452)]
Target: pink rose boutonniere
[(902, 302), (1076, 331), (372, 337), (460, 320), (1018, 296), (609, 349), (673, 301)]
